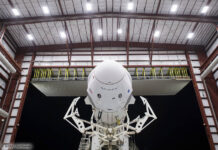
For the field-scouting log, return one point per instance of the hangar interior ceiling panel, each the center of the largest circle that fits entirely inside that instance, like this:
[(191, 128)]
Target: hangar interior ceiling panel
[(105, 15)]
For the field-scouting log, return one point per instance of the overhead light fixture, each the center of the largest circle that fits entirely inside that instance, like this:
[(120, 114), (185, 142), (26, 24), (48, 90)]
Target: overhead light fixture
[(30, 37), (99, 31), (119, 31), (130, 5), (174, 8), (157, 33), (88, 6), (45, 10), (190, 35), (15, 12), (63, 35), (204, 9)]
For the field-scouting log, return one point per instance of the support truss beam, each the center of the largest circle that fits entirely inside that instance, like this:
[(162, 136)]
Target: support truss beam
[(189, 18), (160, 46)]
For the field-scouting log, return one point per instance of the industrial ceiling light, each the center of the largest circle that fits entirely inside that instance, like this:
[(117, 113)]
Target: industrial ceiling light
[(119, 31), (204, 9), (88, 6), (130, 5), (174, 8), (99, 31), (157, 33), (45, 10), (63, 35), (15, 12), (190, 35), (30, 37)]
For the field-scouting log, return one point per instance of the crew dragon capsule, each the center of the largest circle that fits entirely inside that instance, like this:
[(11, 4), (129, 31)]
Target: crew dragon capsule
[(109, 93)]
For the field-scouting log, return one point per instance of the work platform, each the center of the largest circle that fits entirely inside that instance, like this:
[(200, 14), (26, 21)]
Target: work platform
[(146, 80)]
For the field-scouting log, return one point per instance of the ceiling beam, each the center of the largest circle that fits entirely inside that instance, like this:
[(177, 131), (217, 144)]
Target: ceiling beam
[(127, 43), (39, 19), (91, 42), (160, 46)]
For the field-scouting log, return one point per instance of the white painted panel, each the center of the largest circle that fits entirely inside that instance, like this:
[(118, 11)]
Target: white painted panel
[(7, 138), (212, 48), (4, 67), (193, 57), (200, 86), (210, 121), (76, 58), (139, 63), (205, 102), (181, 57), (12, 122), (24, 72), (115, 57), (198, 78), (195, 63), (203, 94), (9, 130), (215, 67), (196, 70), (51, 64), (14, 112), (81, 63), (8, 49), (173, 57), (215, 138), (1, 92), (138, 57), (2, 83), (3, 73), (122, 63), (17, 103), (78, 53), (207, 111), (21, 87), (27, 58), (51, 58), (23, 79), (216, 147), (213, 129), (51, 53), (215, 75), (25, 65), (19, 95), (173, 63)]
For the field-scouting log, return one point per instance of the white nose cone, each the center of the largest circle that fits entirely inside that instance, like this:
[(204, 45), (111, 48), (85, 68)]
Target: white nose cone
[(109, 86), (109, 72)]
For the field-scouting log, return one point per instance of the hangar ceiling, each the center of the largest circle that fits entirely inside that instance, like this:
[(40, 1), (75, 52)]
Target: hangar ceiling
[(118, 25)]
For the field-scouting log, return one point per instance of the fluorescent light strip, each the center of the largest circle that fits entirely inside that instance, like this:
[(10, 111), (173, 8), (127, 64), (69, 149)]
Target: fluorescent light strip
[(45, 10), (62, 35), (88, 6), (119, 31), (15, 12), (99, 32), (30, 37), (130, 6), (174, 8), (190, 35), (157, 33), (204, 9)]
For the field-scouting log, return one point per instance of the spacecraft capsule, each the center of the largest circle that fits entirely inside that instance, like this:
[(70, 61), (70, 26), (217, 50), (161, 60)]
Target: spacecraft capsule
[(109, 86)]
